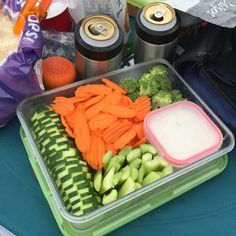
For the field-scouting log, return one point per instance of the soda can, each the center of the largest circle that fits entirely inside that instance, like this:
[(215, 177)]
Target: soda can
[(157, 27), (99, 43)]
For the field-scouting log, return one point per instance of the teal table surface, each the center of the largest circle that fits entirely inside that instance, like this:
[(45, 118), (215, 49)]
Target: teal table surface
[(209, 209)]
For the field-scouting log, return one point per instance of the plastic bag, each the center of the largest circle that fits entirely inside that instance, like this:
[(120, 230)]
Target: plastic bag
[(18, 77)]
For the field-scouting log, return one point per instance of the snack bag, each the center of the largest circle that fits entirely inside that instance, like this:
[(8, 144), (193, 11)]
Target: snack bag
[(18, 58)]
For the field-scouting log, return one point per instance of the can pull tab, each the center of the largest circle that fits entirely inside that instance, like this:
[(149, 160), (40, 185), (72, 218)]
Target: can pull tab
[(98, 29), (158, 15)]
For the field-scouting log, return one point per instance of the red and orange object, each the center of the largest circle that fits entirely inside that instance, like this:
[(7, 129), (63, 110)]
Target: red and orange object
[(36, 7)]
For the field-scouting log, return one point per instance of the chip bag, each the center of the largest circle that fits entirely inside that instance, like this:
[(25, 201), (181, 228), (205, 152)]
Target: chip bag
[(18, 60)]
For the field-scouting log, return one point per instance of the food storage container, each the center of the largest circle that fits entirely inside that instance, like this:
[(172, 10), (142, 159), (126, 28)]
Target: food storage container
[(195, 134), (135, 204)]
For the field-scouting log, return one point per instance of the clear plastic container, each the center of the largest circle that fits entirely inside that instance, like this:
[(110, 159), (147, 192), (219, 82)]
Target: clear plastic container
[(182, 132), (125, 209)]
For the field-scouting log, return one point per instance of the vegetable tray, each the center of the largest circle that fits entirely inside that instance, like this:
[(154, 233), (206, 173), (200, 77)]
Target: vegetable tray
[(141, 201)]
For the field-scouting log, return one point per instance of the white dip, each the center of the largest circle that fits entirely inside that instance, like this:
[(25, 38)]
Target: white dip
[(183, 132)]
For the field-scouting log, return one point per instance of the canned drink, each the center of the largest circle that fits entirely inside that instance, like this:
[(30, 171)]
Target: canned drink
[(157, 28), (99, 42)]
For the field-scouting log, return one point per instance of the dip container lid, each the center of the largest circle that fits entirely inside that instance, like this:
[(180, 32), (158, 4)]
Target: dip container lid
[(182, 132)]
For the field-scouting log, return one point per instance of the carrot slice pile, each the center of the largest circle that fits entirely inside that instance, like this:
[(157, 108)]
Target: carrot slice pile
[(101, 118)]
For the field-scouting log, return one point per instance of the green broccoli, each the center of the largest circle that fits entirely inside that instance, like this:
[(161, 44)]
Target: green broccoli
[(134, 95), (160, 73), (148, 85), (176, 95), (159, 70), (161, 99), (129, 84)]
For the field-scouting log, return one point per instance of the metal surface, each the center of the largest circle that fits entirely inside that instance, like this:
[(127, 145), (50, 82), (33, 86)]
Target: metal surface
[(87, 68), (99, 27), (145, 51), (159, 13)]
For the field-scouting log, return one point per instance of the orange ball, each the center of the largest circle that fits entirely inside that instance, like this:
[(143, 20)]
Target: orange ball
[(57, 71)]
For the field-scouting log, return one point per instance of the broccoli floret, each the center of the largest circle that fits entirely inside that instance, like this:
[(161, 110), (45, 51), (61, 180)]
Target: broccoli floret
[(129, 84), (159, 70), (160, 73), (148, 85), (161, 99), (176, 95), (134, 95)]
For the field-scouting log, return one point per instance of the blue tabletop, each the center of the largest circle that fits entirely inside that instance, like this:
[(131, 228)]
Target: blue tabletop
[(209, 209)]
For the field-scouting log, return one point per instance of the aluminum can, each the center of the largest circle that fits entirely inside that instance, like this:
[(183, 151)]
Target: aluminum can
[(157, 27), (99, 43)]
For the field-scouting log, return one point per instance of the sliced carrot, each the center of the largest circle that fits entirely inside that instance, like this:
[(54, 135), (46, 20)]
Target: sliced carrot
[(93, 100), (101, 150), (95, 89), (119, 111), (82, 132), (112, 85), (133, 141), (92, 157), (111, 147), (124, 139), (94, 109), (125, 101), (141, 141), (101, 121), (139, 130), (113, 98), (67, 127), (70, 119), (142, 106), (63, 109), (115, 131), (71, 100)]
